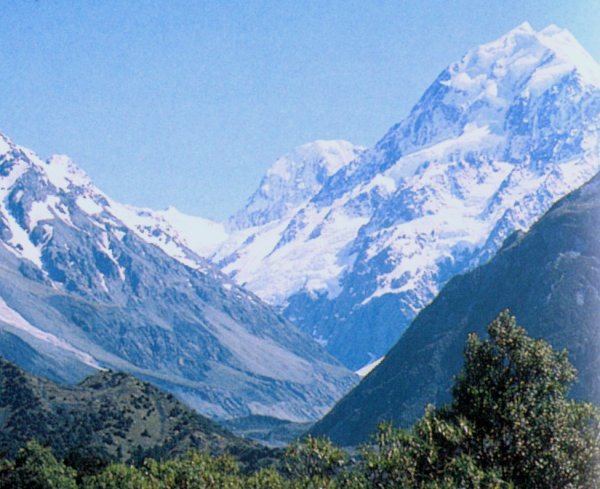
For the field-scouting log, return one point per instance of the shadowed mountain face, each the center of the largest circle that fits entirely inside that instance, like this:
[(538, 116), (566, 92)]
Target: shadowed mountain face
[(86, 282), (110, 414), (495, 140), (548, 277)]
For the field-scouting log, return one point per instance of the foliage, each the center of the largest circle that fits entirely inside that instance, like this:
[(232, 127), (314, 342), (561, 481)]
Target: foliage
[(109, 417), (118, 476), (88, 461), (510, 425), (195, 470), (35, 467), (513, 391), (314, 458)]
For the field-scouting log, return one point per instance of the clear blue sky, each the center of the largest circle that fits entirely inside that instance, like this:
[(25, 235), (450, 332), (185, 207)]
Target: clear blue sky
[(188, 102)]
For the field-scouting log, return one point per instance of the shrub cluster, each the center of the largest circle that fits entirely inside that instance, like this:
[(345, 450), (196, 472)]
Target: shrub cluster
[(510, 425)]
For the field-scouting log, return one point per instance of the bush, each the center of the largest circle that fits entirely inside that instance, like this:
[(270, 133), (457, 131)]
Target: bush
[(513, 392), (35, 467), (510, 424), (313, 458)]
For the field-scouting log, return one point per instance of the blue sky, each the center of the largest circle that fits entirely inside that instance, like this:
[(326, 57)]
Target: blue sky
[(188, 102)]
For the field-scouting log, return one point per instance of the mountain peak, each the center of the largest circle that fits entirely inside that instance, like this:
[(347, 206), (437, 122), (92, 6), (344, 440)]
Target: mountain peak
[(85, 278), (329, 154), (570, 53), (62, 171), (201, 235), (5, 144), (522, 28), (293, 180), (551, 30), (532, 58), (496, 139), (490, 82)]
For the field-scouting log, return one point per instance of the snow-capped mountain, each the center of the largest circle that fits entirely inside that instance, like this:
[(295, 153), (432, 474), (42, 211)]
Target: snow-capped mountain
[(176, 233), (201, 235), (88, 283), (491, 145), (549, 278), (293, 180)]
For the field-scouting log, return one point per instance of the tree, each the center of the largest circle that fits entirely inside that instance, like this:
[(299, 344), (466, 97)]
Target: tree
[(36, 468), (268, 478), (120, 476), (431, 455), (513, 393), (195, 470), (313, 458), (510, 424), (88, 460)]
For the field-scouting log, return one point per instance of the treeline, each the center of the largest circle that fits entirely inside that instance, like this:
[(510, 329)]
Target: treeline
[(510, 425)]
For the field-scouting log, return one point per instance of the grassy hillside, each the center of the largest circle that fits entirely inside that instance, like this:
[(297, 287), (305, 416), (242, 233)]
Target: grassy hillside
[(111, 414)]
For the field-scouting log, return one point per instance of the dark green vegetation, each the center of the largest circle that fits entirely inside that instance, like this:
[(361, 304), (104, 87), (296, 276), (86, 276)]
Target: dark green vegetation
[(509, 425), (266, 429), (550, 279), (109, 416)]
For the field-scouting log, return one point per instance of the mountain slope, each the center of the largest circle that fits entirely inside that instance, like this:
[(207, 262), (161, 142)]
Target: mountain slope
[(84, 283), (184, 237), (548, 277), (108, 412), (497, 139)]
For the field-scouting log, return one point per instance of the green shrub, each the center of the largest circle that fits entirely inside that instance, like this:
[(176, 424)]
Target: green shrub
[(35, 467)]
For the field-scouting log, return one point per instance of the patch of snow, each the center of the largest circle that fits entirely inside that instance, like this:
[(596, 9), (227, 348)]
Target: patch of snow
[(368, 368), (155, 231), (88, 205), (201, 235), (12, 317), (571, 53), (62, 172), (40, 211), (275, 271), (20, 243), (104, 246)]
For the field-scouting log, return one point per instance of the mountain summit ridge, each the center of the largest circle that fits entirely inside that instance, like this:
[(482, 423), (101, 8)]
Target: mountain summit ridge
[(494, 141), (293, 180)]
